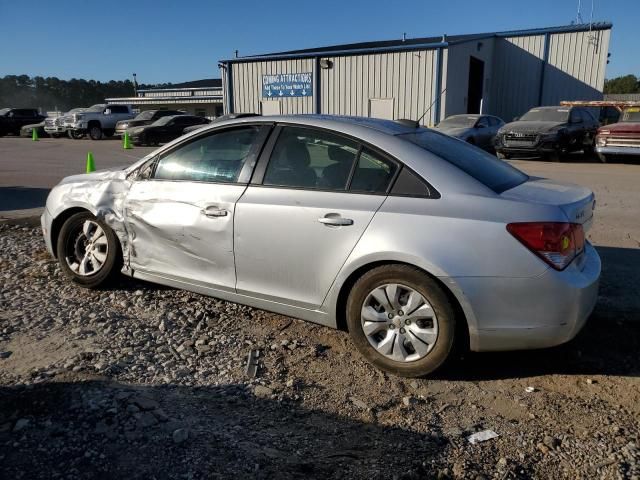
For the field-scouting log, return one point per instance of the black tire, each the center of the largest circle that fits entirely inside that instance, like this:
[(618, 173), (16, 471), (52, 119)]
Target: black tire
[(552, 157), (419, 281), (75, 135), (70, 237), (95, 132)]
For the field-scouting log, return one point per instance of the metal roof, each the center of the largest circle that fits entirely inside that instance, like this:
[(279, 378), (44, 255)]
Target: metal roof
[(415, 43)]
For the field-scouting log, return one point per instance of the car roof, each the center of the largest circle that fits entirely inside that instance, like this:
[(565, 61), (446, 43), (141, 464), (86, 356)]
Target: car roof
[(333, 122)]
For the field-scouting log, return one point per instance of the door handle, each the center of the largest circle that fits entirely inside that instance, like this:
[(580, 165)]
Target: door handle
[(214, 212), (334, 219)]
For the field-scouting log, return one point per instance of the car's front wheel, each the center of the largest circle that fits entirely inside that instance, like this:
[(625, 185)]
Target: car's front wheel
[(401, 320), (88, 251)]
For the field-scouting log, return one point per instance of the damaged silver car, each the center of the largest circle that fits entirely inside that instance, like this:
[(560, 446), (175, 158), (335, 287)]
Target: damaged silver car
[(410, 240)]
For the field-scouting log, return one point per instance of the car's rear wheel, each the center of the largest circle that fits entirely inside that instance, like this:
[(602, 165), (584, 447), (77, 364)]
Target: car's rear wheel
[(401, 320), (88, 251)]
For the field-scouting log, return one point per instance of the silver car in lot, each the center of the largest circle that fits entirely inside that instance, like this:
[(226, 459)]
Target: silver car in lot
[(479, 130), (409, 239)]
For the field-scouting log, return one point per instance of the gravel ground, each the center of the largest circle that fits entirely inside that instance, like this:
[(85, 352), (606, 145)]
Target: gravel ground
[(141, 381)]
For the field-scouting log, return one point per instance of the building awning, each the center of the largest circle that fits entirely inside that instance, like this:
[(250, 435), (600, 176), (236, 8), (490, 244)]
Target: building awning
[(164, 100)]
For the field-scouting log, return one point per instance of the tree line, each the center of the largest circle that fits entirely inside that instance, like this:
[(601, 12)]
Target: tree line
[(51, 93), (622, 84)]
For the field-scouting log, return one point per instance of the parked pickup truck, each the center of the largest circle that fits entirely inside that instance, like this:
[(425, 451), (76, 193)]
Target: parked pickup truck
[(13, 119), (57, 126), (99, 120), (620, 139)]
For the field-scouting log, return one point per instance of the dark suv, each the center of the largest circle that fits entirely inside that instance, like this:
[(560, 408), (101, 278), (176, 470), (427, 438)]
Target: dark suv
[(13, 119), (144, 118), (548, 132)]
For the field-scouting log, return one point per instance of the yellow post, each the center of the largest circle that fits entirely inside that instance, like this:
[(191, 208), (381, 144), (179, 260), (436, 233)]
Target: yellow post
[(91, 165)]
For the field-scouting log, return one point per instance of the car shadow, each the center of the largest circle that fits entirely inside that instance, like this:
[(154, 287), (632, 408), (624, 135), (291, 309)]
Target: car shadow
[(102, 429), (21, 198), (607, 345)]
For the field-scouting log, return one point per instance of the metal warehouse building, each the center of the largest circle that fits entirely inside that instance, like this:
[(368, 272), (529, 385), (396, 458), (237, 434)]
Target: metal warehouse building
[(500, 73), (200, 97)]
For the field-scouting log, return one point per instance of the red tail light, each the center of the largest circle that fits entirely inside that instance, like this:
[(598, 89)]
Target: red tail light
[(556, 243)]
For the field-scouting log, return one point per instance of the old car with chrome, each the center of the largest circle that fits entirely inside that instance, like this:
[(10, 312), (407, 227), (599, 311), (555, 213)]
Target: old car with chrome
[(410, 240)]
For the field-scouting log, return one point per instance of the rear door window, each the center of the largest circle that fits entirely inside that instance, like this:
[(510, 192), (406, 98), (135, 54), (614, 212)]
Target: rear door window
[(309, 158), (373, 174), (485, 168)]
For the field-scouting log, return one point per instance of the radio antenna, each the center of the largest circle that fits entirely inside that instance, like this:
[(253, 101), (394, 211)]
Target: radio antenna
[(432, 104)]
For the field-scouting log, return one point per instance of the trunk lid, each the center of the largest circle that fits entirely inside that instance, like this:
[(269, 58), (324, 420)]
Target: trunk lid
[(577, 202)]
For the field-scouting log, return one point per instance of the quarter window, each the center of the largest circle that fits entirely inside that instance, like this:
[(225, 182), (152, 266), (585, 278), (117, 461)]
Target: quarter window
[(215, 158), (307, 158)]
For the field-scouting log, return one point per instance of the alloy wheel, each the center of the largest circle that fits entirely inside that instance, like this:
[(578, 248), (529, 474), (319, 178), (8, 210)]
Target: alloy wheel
[(87, 249), (399, 322)]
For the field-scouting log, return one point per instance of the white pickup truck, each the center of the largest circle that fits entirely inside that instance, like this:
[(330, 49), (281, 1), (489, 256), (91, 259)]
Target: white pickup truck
[(99, 120)]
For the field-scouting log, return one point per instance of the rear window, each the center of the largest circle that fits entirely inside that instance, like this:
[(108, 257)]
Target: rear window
[(485, 168)]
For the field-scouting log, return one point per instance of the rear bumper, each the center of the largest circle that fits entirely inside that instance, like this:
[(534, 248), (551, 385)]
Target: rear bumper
[(538, 312), (632, 151)]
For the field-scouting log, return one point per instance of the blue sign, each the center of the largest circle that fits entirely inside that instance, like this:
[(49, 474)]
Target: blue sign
[(280, 85)]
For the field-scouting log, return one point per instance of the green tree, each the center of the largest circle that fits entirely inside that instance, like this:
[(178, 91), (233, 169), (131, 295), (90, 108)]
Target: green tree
[(623, 84)]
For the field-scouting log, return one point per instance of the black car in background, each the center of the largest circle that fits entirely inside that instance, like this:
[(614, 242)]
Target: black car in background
[(13, 119), (144, 118), (164, 130), (222, 118), (548, 132)]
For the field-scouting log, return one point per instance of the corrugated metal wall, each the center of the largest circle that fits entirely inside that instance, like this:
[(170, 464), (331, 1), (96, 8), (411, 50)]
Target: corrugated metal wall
[(458, 84), (575, 70), (406, 77), (517, 71), (247, 85), (576, 66)]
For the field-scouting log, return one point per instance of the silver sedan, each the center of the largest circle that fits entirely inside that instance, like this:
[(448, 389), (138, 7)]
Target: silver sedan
[(479, 130), (410, 240)]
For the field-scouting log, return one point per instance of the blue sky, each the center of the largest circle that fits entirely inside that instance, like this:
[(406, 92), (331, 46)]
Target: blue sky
[(173, 41)]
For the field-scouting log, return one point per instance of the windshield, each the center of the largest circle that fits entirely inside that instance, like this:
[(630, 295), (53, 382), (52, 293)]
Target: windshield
[(76, 110), (546, 115), (631, 115), (146, 115), (458, 121), (162, 121), (96, 108), (3, 111), (485, 168)]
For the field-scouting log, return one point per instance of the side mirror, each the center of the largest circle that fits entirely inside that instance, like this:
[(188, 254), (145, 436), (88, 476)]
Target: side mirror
[(107, 111), (481, 125)]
